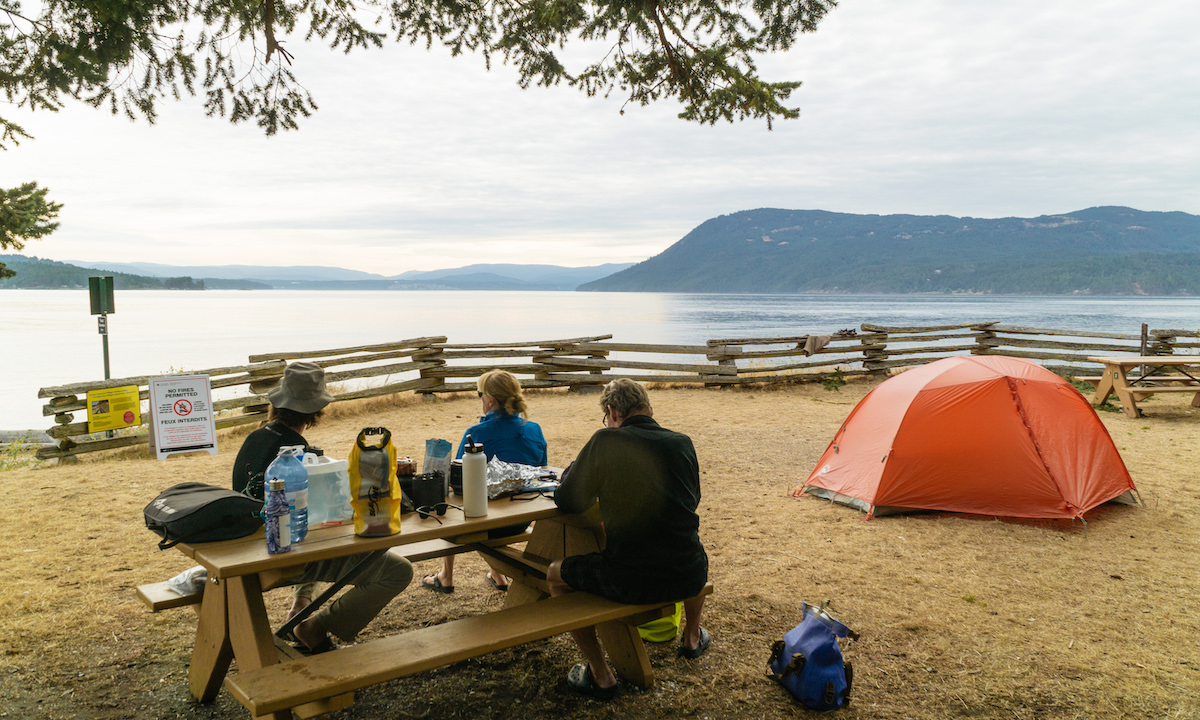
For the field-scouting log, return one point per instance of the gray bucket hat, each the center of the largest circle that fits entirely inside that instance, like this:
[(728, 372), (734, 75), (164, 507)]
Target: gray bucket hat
[(302, 389)]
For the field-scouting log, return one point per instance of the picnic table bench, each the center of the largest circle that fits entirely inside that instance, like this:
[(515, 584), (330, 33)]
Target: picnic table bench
[(274, 679)]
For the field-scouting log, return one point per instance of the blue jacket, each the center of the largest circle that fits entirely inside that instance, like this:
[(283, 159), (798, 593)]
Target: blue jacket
[(514, 439)]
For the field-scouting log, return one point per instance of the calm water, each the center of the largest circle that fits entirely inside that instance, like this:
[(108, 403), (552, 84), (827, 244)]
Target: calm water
[(47, 337)]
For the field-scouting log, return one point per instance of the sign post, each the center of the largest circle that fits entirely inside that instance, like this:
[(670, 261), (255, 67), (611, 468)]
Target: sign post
[(100, 290)]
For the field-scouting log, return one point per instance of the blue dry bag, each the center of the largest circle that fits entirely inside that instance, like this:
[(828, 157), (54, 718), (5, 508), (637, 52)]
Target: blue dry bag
[(808, 661)]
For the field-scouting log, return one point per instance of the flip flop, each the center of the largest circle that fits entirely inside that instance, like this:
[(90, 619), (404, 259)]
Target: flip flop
[(436, 585), (693, 653), (498, 586), (581, 681), (324, 646)]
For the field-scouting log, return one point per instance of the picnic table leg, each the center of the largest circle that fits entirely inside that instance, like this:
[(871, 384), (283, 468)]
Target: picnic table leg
[(626, 652), (250, 629), (555, 539), (1104, 388), (212, 652), (1129, 402)]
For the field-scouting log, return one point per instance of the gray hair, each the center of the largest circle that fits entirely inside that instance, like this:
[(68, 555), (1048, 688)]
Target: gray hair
[(626, 397)]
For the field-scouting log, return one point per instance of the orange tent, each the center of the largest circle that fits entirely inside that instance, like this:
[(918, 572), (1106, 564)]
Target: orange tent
[(980, 434)]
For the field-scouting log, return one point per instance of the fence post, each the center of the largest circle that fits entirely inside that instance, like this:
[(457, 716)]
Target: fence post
[(873, 358), (1163, 343), (985, 333), (726, 361), (429, 353)]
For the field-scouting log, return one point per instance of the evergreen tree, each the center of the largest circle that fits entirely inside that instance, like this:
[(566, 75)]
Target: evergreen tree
[(25, 215), (127, 55)]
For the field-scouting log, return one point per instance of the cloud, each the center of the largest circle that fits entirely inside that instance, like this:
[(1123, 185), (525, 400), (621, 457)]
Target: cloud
[(416, 160)]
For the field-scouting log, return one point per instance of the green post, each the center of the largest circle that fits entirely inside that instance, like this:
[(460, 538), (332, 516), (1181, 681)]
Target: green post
[(100, 291)]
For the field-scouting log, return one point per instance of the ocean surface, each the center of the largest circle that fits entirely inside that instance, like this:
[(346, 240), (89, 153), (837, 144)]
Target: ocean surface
[(48, 337)]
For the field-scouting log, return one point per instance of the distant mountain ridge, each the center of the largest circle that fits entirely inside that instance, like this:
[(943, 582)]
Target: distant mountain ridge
[(1101, 250), (470, 277)]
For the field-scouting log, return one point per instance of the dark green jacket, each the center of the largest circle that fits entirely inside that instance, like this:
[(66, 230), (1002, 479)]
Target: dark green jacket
[(647, 479)]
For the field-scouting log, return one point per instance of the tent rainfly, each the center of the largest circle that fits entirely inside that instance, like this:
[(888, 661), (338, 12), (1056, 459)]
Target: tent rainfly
[(987, 435)]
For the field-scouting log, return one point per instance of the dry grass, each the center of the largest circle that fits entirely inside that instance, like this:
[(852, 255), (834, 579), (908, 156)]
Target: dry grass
[(960, 616)]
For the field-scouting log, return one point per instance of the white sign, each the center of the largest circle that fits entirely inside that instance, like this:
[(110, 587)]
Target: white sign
[(181, 415)]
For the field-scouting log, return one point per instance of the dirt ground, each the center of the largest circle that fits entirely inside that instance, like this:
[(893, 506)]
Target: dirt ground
[(960, 616)]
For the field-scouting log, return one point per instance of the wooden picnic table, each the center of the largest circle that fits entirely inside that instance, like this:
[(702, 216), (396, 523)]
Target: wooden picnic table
[(273, 679), (1160, 374)]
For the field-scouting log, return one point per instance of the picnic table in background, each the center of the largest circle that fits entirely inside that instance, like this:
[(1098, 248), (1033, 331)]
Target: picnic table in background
[(1159, 374)]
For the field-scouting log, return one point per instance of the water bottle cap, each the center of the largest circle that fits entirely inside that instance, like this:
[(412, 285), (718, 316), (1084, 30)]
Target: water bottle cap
[(472, 446), (277, 484)]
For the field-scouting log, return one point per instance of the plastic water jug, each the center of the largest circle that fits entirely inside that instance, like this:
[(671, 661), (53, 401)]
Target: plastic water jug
[(328, 490), (287, 467)]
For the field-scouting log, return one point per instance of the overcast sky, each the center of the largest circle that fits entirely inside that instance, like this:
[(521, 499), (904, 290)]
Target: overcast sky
[(419, 161)]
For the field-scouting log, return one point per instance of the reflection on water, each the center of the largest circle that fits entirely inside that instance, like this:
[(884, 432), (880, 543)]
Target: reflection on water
[(48, 338)]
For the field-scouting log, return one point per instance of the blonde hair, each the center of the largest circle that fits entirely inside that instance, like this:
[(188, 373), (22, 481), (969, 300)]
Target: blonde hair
[(626, 397), (505, 389)]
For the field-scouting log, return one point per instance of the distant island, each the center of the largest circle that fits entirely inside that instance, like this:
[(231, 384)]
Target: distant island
[(1098, 251), (36, 273)]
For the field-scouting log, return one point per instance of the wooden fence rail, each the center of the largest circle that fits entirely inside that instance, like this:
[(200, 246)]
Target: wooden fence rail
[(430, 365)]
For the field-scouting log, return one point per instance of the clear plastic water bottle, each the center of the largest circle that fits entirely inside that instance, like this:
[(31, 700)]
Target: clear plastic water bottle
[(278, 512), (287, 467)]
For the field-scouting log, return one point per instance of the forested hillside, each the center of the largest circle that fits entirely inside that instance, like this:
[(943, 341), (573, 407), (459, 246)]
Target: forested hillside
[(35, 273), (1105, 250)]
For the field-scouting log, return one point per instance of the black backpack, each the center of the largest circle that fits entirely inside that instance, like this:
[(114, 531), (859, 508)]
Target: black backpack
[(194, 512)]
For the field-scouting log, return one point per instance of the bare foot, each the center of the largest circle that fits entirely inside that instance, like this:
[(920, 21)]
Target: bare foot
[(310, 633)]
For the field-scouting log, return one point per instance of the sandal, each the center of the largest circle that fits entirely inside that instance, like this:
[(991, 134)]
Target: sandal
[(498, 586), (436, 585), (693, 653), (324, 646), (581, 681)]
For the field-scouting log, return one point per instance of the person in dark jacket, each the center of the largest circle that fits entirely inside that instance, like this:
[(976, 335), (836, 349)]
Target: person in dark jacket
[(647, 481), (297, 403)]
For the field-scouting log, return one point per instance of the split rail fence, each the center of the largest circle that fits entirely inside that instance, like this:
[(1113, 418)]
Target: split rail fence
[(431, 365)]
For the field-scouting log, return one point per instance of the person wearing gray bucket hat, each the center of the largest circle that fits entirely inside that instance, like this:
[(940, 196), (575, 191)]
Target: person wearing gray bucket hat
[(297, 403), (302, 389)]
